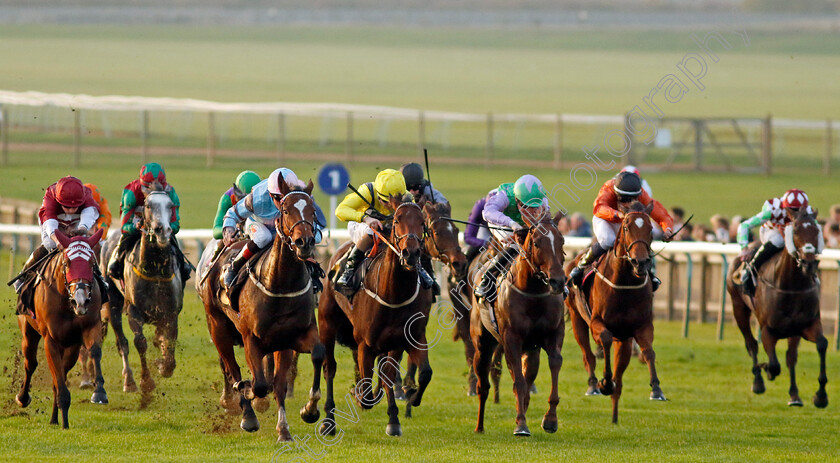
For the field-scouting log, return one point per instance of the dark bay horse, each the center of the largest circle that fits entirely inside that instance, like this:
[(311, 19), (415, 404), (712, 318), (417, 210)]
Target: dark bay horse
[(389, 314), (617, 306), (151, 292), (67, 304), (276, 313), (786, 305), (527, 317)]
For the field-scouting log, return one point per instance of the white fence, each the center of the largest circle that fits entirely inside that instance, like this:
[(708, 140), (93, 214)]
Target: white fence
[(683, 295)]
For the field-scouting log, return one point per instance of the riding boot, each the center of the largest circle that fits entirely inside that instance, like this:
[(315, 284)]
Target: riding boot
[(115, 265), (498, 264), (426, 280), (234, 267), (355, 259), (654, 280), (576, 275), (39, 253), (761, 256), (316, 272), (472, 252), (426, 271), (103, 285), (184, 265)]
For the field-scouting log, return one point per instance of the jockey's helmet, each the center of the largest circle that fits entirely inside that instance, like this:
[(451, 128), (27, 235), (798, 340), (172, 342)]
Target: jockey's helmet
[(794, 199), (152, 172), (245, 181), (529, 191), (389, 182), (69, 192), (631, 168), (627, 186), (287, 175), (413, 174)]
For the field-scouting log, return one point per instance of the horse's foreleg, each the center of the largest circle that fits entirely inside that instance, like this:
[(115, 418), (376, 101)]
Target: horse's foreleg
[(312, 344), (29, 347), (328, 339), (147, 384), (420, 357), (364, 387), (93, 343), (247, 390), (581, 331), (86, 364), (791, 358), (122, 345), (774, 368), (644, 338), (166, 334), (496, 370), (623, 353), (481, 364), (513, 355), (254, 356), (742, 318), (605, 339), (282, 361), (814, 333), (388, 372), (555, 361), (61, 395), (291, 376)]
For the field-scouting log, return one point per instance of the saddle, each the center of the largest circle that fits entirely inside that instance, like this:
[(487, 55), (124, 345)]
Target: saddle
[(358, 275), (231, 296), (26, 299)]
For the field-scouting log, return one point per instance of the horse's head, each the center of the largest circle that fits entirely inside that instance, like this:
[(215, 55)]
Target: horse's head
[(407, 229), (442, 238), (296, 224), (157, 215), (804, 240), (543, 248), (634, 237), (79, 260)]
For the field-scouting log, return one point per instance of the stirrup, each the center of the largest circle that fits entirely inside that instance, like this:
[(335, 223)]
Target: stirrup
[(576, 276)]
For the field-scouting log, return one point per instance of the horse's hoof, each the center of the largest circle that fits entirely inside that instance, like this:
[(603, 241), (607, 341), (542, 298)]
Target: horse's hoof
[(327, 429), (795, 402), (250, 424), (471, 393), (23, 400), (399, 394), (284, 435), (99, 398), (130, 387), (393, 430), (606, 387), (522, 431), (658, 396), (821, 400), (147, 385), (309, 417), (479, 430), (592, 391), (549, 426), (261, 404), (86, 384), (758, 388), (533, 389)]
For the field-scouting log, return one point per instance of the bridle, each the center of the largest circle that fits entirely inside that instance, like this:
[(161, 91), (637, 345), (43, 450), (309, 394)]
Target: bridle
[(430, 232), (151, 236), (400, 238), (527, 255), (624, 230), (807, 248), (285, 235)]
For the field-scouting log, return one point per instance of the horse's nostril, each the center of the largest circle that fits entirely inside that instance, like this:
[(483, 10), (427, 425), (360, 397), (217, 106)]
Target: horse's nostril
[(299, 242)]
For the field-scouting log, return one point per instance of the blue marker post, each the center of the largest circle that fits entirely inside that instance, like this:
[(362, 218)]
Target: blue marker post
[(333, 179)]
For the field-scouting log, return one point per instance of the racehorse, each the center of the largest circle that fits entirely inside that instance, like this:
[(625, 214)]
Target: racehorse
[(152, 291), (617, 306), (526, 316), (388, 314), (786, 305), (270, 310), (66, 303)]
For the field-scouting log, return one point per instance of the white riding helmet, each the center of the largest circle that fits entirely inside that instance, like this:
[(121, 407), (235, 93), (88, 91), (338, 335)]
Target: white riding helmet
[(287, 175)]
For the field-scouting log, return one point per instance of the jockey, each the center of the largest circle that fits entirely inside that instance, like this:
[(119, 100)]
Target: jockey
[(621, 190), (475, 235), (245, 181), (152, 178), (258, 210), (635, 170), (67, 205), (363, 215), (104, 221), (505, 206), (418, 186), (773, 218)]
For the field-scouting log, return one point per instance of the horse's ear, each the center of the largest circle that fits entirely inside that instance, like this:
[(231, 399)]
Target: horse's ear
[(557, 218), (423, 201), (282, 185), (649, 208), (309, 187), (63, 240), (96, 237), (394, 201), (816, 211)]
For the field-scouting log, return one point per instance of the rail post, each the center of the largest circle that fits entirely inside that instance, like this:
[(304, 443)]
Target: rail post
[(4, 133), (687, 314), (721, 314)]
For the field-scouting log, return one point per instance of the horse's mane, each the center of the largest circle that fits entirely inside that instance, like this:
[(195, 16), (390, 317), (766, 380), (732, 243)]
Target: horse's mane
[(444, 209), (636, 206)]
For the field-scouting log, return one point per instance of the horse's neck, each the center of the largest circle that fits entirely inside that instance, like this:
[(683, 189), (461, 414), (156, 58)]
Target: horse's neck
[(280, 267), (153, 252), (389, 270), (786, 274), (522, 275), (617, 267)]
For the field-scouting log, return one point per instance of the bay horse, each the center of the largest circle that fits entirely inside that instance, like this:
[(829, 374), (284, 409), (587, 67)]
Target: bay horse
[(389, 314), (786, 305), (272, 312), (617, 306), (67, 303), (151, 292), (526, 316)]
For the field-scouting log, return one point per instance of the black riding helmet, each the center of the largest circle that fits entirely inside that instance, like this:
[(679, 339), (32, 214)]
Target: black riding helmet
[(628, 186), (414, 176)]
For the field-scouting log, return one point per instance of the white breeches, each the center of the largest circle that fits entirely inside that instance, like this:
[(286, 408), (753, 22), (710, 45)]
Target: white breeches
[(260, 233), (604, 232), (358, 231), (772, 235)]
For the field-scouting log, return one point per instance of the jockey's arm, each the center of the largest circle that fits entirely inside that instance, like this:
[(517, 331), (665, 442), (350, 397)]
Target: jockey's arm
[(88, 217), (128, 203), (743, 237), (659, 213), (352, 208), (602, 207), (437, 195), (493, 212), (320, 222), (224, 204), (175, 223)]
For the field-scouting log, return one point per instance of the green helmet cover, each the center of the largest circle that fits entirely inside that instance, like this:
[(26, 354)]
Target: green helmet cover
[(529, 191), (246, 180)]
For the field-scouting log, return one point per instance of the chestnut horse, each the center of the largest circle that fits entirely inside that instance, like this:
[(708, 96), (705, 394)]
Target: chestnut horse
[(527, 317), (786, 305), (67, 304), (276, 313), (388, 314), (152, 292), (617, 306)]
